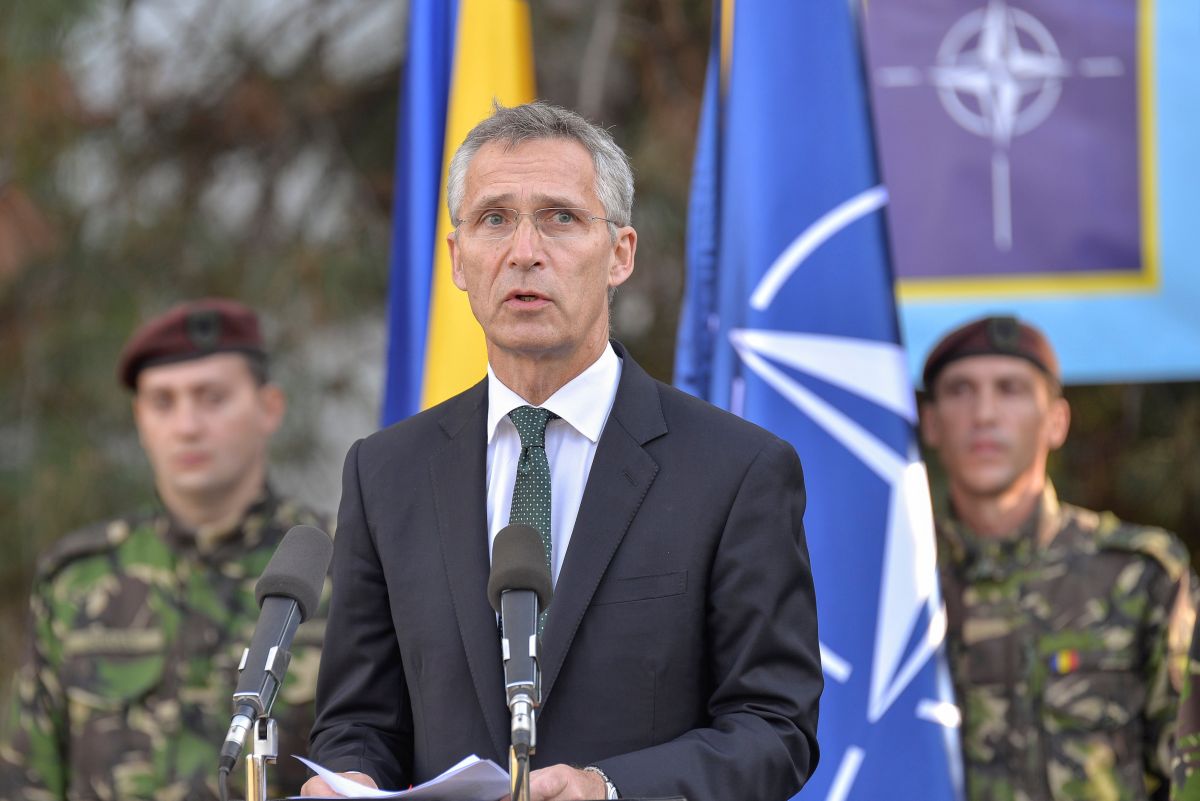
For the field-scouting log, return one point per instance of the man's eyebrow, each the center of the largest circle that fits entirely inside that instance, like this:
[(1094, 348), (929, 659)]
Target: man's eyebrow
[(494, 201), (190, 388), (557, 202), (507, 200)]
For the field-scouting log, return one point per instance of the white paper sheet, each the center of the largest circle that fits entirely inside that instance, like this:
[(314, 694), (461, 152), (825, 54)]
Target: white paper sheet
[(472, 779)]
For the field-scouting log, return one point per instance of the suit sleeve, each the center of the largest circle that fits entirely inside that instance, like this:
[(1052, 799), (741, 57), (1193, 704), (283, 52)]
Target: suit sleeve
[(763, 655), (364, 720)]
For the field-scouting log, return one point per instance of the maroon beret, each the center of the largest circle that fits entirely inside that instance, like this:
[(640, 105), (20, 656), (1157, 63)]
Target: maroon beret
[(991, 336), (188, 331)]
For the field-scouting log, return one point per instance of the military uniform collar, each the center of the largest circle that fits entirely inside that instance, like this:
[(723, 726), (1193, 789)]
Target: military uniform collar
[(1049, 516), (207, 539), (981, 557)]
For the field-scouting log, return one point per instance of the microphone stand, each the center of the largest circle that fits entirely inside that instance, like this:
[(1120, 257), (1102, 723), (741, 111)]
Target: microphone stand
[(518, 773), (518, 587), (266, 750), (523, 743)]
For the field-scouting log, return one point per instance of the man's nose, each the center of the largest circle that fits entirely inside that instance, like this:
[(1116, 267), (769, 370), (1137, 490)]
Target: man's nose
[(525, 242), (188, 420), (985, 405)]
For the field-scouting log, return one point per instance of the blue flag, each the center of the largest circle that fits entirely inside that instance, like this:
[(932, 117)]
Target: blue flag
[(790, 321), (420, 141), (995, 119)]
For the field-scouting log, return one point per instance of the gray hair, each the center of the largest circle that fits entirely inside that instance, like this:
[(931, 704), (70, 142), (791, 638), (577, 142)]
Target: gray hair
[(540, 120)]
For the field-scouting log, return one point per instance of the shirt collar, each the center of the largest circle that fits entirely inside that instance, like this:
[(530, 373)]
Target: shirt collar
[(583, 402)]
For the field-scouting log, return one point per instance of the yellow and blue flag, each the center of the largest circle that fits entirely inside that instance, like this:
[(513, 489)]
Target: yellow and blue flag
[(789, 320), (462, 55), (1041, 160)]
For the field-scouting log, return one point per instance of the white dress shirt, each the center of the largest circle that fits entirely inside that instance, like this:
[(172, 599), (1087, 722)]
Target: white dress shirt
[(582, 406)]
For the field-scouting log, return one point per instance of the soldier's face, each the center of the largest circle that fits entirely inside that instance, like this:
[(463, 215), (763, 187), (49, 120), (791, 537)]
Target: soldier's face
[(993, 421), (204, 424)]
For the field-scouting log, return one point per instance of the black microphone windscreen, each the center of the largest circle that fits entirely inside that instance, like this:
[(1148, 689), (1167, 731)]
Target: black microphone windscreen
[(298, 568), (519, 563)]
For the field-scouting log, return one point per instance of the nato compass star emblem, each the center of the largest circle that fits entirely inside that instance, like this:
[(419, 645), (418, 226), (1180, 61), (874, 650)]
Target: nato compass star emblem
[(909, 606), (999, 74)]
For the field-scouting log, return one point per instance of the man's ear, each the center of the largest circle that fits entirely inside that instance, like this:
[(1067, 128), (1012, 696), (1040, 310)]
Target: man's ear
[(931, 433), (624, 250), (1058, 422), (456, 271), (274, 405), (137, 420)]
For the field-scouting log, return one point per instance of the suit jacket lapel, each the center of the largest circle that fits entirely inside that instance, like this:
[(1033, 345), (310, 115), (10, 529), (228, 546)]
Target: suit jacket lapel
[(621, 475), (459, 487)]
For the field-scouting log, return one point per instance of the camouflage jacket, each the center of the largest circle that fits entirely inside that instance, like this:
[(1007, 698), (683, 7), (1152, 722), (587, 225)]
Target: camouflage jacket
[(1061, 640), (1185, 770), (136, 632)]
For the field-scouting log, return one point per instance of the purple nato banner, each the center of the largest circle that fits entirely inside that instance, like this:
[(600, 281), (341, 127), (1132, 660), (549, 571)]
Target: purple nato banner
[(1008, 136)]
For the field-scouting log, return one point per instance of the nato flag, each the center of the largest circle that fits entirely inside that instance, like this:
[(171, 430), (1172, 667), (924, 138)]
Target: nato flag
[(790, 321)]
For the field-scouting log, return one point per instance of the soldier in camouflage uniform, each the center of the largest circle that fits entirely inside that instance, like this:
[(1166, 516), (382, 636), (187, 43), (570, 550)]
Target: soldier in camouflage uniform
[(138, 624), (1185, 769), (1066, 629)]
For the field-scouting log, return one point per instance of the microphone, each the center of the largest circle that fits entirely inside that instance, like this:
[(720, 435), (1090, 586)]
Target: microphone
[(519, 588), (288, 593)]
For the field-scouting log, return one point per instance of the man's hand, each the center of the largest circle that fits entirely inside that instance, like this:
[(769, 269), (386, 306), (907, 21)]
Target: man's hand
[(564, 783), (318, 786)]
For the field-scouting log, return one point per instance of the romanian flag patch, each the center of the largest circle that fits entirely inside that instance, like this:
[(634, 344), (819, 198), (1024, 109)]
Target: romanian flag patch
[(1064, 661)]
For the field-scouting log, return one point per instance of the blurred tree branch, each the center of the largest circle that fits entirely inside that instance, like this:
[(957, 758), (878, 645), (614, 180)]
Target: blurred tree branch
[(152, 150)]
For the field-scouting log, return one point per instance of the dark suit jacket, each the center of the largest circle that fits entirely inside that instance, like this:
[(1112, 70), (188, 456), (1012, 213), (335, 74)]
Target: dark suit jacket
[(680, 653)]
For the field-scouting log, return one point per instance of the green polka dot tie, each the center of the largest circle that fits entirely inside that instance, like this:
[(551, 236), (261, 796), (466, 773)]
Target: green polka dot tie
[(531, 491)]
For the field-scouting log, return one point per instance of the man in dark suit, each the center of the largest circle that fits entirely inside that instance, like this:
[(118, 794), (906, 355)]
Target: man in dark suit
[(680, 651)]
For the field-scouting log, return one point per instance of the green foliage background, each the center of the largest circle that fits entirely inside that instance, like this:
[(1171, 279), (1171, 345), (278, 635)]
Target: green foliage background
[(76, 278)]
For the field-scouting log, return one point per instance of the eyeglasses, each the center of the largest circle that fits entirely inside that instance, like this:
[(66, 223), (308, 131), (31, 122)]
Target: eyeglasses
[(555, 223)]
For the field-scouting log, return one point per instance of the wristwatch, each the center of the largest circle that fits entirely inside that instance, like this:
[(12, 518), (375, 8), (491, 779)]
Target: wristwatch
[(610, 789)]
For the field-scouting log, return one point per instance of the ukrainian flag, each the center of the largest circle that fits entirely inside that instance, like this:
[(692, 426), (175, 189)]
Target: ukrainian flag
[(462, 55)]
